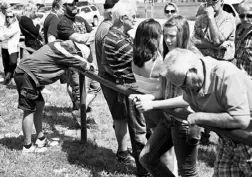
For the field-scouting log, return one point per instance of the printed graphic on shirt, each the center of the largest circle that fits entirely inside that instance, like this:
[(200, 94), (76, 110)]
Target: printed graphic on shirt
[(79, 27)]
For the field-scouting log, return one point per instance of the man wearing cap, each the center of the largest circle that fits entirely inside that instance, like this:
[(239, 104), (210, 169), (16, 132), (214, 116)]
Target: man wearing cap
[(220, 94), (214, 31), (77, 29), (43, 67)]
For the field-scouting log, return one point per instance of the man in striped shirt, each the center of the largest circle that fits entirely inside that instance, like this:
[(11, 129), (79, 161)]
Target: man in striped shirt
[(43, 67), (118, 54)]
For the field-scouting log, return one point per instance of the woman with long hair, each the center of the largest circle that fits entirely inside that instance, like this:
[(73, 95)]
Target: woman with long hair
[(10, 35), (171, 131), (146, 66)]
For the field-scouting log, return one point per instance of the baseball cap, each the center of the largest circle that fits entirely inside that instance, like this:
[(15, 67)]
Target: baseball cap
[(68, 1), (110, 4)]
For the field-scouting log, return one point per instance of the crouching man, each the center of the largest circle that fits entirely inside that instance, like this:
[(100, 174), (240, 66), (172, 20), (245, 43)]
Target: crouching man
[(43, 67)]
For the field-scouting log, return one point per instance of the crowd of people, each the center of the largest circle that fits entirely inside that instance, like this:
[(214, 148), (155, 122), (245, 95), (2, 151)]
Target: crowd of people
[(207, 74)]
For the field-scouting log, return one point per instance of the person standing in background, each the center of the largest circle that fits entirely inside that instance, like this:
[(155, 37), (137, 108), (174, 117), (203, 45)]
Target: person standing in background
[(52, 20), (10, 36)]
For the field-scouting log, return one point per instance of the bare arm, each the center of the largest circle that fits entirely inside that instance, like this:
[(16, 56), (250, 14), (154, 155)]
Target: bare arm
[(9, 32), (51, 38), (147, 105), (220, 120), (87, 38), (217, 37), (202, 44)]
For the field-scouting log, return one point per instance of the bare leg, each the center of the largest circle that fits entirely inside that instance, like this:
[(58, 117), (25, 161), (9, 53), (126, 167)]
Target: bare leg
[(27, 126), (121, 133), (38, 118)]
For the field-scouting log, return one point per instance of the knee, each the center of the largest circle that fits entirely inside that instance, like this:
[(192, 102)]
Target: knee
[(40, 105), (144, 159)]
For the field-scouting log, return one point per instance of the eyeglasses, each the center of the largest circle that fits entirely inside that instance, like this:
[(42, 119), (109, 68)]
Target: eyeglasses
[(242, 16), (170, 11), (9, 16)]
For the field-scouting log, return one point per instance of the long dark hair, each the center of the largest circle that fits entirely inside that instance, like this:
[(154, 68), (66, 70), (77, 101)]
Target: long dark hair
[(146, 42), (183, 35)]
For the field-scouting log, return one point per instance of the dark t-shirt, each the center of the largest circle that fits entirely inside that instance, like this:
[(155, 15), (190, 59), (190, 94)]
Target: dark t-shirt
[(50, 26), (29, 30), (68, 26)]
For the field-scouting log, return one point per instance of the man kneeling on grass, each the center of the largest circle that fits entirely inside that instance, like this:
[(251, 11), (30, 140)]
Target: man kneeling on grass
[(44, 67)]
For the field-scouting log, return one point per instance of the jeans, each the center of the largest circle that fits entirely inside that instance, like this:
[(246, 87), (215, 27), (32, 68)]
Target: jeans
[(168, 133), (9, 61)]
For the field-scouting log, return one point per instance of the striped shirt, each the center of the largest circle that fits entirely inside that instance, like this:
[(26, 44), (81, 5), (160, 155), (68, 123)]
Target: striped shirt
[(243, 52), (118, 48)]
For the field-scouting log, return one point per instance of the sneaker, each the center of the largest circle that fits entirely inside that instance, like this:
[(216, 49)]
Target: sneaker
[(7, 79), (89, 109), (125, 157), (42, 143), (1, 79), (46, 143), (34, 149), (91, 124)]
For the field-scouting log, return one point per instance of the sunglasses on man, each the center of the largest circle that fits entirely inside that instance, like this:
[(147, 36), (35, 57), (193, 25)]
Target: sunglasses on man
[(170, 11), (9, 16), (242, 16), (212, 2)]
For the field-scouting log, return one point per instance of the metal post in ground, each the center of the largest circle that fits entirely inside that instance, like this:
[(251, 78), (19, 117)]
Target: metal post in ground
[(83, 113)]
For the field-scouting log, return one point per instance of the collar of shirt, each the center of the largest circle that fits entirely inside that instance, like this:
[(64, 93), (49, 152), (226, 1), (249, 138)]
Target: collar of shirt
[(119, 33), (208, 64)]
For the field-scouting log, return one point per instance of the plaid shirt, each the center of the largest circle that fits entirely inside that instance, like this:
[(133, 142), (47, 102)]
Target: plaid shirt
[(243, 52), (233, 159)]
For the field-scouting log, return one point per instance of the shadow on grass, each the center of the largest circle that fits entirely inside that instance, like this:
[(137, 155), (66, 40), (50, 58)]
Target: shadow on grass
[(12, 143), (59, 115), (207, 154), (96, 159)]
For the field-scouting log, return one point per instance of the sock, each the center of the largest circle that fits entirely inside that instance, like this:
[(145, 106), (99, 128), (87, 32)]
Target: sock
[(28, 146), (42, 138)]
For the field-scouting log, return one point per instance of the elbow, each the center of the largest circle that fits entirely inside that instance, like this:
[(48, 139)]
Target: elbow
[(243, 124), (217, 42)]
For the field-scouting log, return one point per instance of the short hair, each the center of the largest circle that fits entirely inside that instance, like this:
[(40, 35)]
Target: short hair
[(245, 4), (56, 4), (146, 42), (29, 8), (183, 35), (177, 63), (122, 8), (172, 4)]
